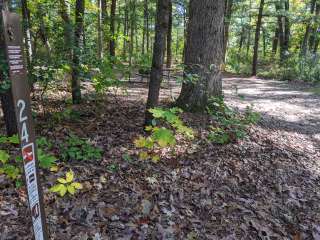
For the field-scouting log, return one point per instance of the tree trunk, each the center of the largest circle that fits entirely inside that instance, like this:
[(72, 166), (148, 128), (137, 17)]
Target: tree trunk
[(203, 54), (314, 33), (6, 95), (256, 40), (78, 47), (27, 31), (125, 30), (145, 26), (228, 13), (132, 28), (100, 30), (67, 29), (169, 37), (112, 28), (308, 29), (275, 41), (162, 22)]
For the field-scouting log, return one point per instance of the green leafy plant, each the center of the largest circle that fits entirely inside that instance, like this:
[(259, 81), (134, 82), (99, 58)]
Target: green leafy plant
[(66, 185), (79, 149), (162, 137), (230, 125)]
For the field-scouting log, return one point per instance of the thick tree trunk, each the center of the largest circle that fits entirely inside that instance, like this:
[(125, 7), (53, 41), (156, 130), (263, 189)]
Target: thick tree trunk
[(162, 22), (112, 28), (203, 54), (6, 95), (256, 40), (78, 47), (169, 37)]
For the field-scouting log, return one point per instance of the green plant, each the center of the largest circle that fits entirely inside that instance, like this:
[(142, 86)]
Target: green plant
[(7, 167), (162, 137), (79, 149), (66, 185), (230, 125)]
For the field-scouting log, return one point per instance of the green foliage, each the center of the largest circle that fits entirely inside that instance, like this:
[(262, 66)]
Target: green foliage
[(66, 185), (79, 149), (46, 161), (144, 63), (231, 126), (107, 73), (67, 115), (162, 137)]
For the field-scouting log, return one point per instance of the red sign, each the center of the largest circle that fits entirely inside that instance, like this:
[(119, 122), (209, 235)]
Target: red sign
[(27, 153)]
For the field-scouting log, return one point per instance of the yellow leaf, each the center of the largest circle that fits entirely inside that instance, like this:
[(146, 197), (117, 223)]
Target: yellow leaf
[(69, 176), (155, 158), (76, 185), (62, 180), (63, 191), (56, 188), (54, 169), (140, 142), (71, 189), (143, 155)]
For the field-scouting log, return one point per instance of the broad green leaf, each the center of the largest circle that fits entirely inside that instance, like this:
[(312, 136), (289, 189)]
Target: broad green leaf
[(14, 139), (164, 137), (4, 156), (77, 185), (63, 191), (56, 188), (62, 180), (69, 176), (71, 189)]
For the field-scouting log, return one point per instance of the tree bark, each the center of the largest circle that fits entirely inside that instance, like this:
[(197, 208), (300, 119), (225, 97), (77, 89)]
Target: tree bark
[(125, 30), (112, 28), (308, 29), (100, 30), (78, 47), (6, 95), (67, 30), (257, 38), (162, 22), (203, 54), (275, 41), (27, 30), (228, 13), (169, 37)]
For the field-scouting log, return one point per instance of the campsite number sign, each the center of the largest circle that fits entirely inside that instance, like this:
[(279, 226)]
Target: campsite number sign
[(21, 96)]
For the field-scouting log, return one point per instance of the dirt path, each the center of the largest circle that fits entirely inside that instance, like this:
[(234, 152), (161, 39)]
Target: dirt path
[(287, 109)]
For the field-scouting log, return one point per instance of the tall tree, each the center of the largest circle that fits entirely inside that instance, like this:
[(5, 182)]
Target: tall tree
[(308, 29), (112, 28), (169, 37), (6, 94), (100, 29), (27, 30), (228, 13), (257, 38), (162, 22), (78, 47), (203, 54), (67, 29)]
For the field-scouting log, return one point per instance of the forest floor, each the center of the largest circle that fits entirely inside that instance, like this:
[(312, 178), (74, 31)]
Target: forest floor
[(266, 186)]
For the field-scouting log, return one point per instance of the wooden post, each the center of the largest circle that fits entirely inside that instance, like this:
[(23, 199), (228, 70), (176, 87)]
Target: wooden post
[(21, 97)]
